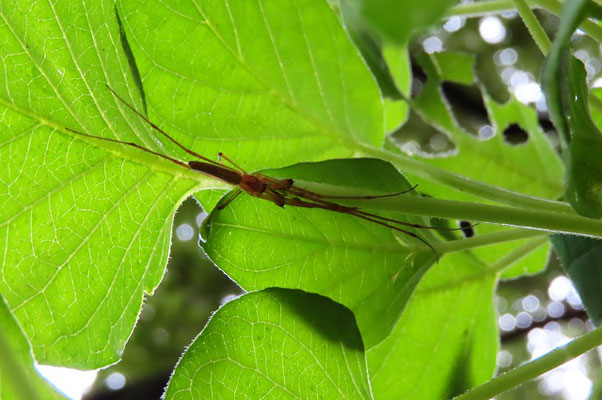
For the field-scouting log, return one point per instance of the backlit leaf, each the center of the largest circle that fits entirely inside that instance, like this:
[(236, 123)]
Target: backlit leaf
[(275, 344)]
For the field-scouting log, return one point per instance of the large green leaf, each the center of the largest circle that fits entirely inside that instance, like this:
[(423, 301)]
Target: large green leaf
[(267, 82), (275, 344), (367, 267), (446, 339), (84, 225), (568, 105), (18, 378)]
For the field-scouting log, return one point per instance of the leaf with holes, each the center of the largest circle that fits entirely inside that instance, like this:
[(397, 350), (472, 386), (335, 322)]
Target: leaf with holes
[(531, 166)]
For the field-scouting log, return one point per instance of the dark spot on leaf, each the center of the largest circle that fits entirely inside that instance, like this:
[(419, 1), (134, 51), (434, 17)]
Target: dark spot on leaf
[(467, 229), (514, 134)]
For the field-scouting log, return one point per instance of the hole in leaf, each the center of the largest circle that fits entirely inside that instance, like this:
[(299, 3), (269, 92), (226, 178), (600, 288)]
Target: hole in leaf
[(514, 134), (419, 137), (546, 124), (467, 229), (418, 80), (467, 105)]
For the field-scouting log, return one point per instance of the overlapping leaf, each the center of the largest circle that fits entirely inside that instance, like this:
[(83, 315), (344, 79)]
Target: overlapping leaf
[(367, 267), (18, 378), (446, 340), (275, 344)]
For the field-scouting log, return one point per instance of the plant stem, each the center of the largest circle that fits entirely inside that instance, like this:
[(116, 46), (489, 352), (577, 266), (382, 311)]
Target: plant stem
[(541, 219), (459, 182), (497, 6), (481, 8), (537, 32), (541, 38), (486, 239), (588, 26), (535, 368)]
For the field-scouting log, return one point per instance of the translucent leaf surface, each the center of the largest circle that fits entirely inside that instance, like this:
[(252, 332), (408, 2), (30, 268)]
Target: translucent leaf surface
[(275, 344), (367, 267), (84, 225), (446, 339), (268, 83), (18, 378)]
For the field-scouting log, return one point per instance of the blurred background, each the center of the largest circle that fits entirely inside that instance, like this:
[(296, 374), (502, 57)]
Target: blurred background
[(535, 313)]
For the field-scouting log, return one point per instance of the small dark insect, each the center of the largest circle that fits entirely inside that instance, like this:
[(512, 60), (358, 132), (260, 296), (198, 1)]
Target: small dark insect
[(279, 191)]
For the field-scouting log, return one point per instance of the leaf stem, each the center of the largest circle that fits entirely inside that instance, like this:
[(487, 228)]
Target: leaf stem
[(481, 8), (497, 6), (543, 218), (486, 239), (535, 368), (540, 219), (537, 32), (463, 183)]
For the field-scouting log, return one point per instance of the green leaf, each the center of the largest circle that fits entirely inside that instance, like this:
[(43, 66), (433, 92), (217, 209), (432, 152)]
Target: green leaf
[(446, 340), (369, 268), (84, 224), (581, 258), (275, 344), (88, 222), (18, 377), (397, 20), (268, 83), (454, 67), (400, 65), (581, 140), (370, 46)]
